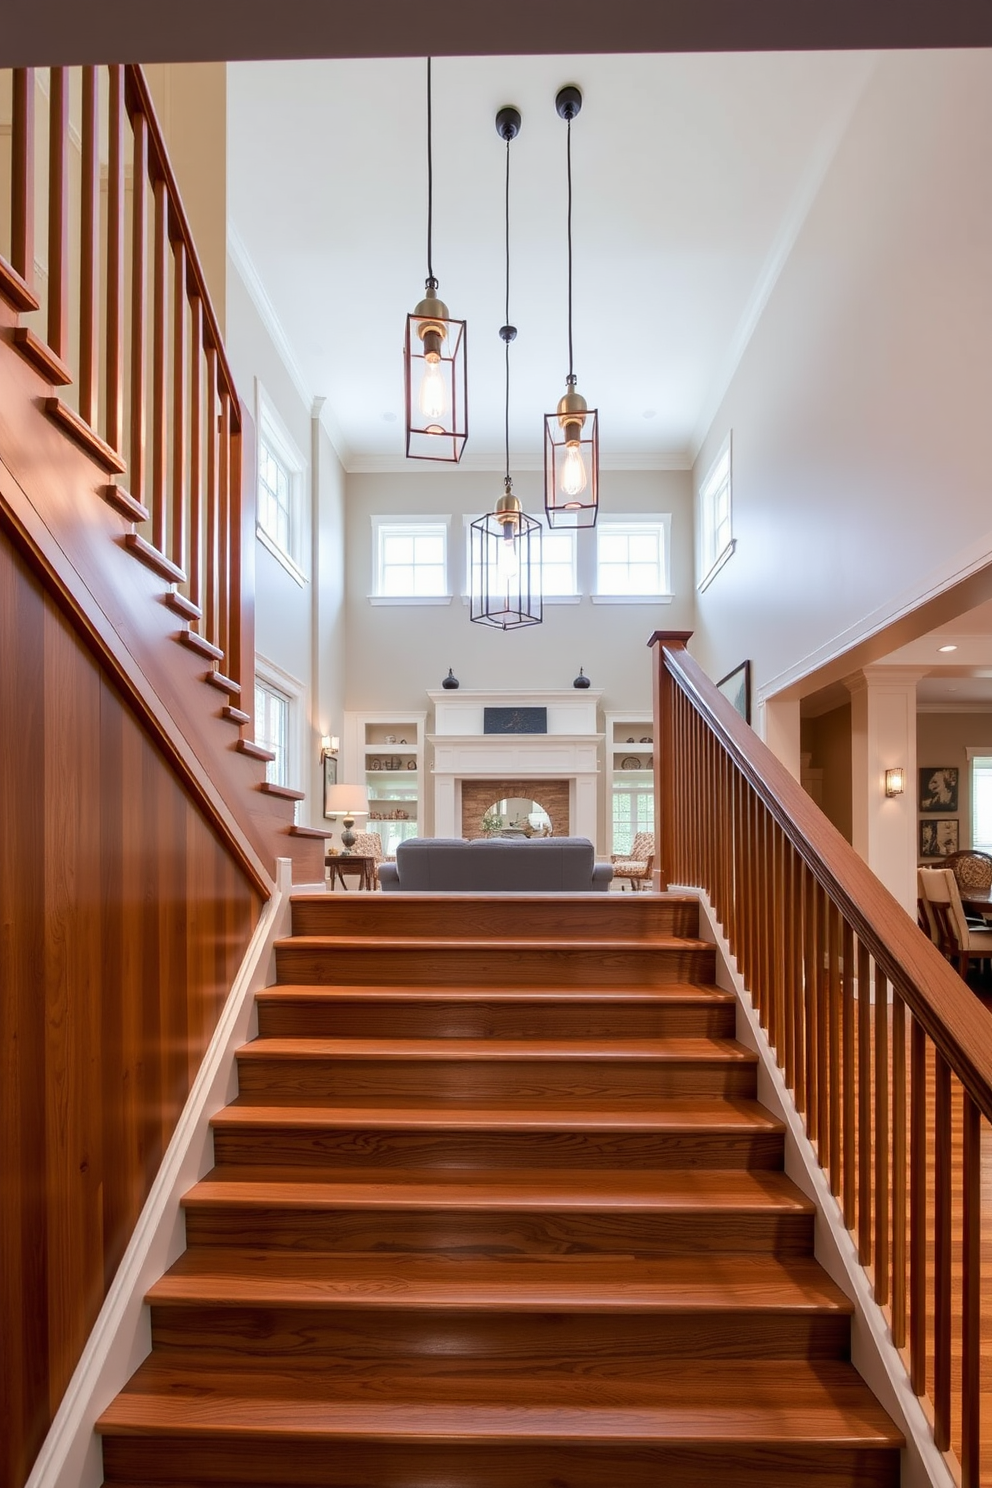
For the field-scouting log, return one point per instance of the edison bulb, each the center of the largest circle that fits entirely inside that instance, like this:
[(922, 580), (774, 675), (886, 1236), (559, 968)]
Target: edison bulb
[(433, 393), (573, 475), (507, 562)]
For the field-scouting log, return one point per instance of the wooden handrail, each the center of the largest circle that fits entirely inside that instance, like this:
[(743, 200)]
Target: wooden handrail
[(886, 1050)]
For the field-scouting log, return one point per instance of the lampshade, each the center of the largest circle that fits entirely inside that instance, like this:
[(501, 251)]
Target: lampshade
[(346, 800)]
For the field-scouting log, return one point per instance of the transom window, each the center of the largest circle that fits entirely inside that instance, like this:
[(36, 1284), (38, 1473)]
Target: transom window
[(411, 559), (716, 541), (280, 518), (632, 556), (558, 569), (272, 730)]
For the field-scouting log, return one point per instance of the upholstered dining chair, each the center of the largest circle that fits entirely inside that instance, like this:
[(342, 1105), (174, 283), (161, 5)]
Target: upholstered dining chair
[(960, 942), (635, 867)]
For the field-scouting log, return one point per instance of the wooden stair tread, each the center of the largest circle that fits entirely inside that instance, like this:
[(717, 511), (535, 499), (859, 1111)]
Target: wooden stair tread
[(687, 1113), (662, 1050), (691, 993), (487, 943), (678, 1284), (633, 906), (686, 1401), (543, 1189)]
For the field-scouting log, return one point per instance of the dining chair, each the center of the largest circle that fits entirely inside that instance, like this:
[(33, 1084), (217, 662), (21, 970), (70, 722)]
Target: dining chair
[(960, 942)]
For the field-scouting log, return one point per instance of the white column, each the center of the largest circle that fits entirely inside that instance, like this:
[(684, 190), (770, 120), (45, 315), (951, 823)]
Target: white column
[(883, 737), (779, 725)]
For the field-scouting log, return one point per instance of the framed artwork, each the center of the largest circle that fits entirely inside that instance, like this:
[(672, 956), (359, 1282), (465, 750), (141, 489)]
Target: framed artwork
[(330, 777), (736, 688), (515, 720), (938, 839), (938, 788)]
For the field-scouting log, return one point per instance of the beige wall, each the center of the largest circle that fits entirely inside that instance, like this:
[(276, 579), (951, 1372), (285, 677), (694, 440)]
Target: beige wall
[(860, 407), (191, 103), (827, 739), (942, 739)]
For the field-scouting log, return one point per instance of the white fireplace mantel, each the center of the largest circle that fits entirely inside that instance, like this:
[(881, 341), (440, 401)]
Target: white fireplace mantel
[(568, 751)]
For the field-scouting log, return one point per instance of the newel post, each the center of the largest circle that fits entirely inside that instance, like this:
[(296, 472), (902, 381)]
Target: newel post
[(664, 754)]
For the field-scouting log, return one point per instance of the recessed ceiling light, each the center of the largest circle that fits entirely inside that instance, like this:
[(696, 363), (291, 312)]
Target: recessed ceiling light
[(650, 413), (390, 418), (947, 648)]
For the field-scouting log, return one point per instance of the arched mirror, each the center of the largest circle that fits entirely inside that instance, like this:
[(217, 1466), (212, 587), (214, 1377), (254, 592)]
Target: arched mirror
[(516, 817)]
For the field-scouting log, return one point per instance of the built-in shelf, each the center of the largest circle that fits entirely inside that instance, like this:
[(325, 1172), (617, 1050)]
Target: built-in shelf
[(385, 751), (630, 809)]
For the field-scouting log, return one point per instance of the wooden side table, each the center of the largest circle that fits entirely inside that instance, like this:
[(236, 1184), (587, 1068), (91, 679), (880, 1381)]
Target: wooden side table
[(354, 865)]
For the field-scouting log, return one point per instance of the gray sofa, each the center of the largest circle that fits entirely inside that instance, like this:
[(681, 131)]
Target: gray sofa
[(543, 865)]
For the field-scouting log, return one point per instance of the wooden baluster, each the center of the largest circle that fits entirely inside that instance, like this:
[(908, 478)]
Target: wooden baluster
[(881, 1144), (210, 556), (196, 451), (22, 176), (180, 355), (160, 357), (822, 1027), (864, 1106), (918, 1210), (797, 1078), (899, 1187), (727, 847), (942, 1257), (811, 1008), (242, 659), (58, 214), (139, 280), (780, 910), (835, 1019), (847, 1092), (764, 923), (224, 546), (115, 262), (971, 1297), (89, 266)]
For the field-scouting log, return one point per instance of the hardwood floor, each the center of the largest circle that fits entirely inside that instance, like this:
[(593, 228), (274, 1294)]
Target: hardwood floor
[(497, 1208)]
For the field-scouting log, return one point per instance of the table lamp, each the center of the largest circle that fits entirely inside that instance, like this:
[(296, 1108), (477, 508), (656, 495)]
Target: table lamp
[(347, 801)]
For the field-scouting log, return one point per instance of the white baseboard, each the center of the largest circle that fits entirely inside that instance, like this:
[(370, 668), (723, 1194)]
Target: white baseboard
[(873, 1352), (71, 1456)]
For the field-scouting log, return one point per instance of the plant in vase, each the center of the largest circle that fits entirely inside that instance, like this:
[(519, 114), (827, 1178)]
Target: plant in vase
[(492, 824)]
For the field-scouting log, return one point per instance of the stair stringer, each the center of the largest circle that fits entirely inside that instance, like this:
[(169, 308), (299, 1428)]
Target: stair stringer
[(873, 1352), (71, 1455)]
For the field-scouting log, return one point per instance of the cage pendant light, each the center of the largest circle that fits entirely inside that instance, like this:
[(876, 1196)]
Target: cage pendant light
[(505, 544), (571, 433), (435, 374)]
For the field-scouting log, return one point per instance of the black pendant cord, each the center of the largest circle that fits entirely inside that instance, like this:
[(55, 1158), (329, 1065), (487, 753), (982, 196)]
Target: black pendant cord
[(568, 156), (430, 182), (506, 322)]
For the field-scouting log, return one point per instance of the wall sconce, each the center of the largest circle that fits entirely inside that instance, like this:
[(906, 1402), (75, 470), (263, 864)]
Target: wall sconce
[(329, 744), (895, 781)]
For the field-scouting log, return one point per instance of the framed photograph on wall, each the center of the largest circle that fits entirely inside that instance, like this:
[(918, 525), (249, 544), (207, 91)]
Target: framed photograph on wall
[(938, 839), (736, 688), (938, 788), (330, 777)]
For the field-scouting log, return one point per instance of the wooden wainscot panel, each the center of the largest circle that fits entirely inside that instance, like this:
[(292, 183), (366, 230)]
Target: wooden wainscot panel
[(123, 920)]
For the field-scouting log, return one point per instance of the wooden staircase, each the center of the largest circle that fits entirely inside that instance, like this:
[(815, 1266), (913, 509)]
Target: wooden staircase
[(496, 1205)]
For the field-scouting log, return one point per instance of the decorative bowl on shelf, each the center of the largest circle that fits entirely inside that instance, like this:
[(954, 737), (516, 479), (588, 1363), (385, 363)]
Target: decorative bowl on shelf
[(630, 762), (647, 740), (411, 764)]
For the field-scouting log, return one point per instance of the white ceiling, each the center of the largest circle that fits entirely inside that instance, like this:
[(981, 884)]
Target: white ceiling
[(692, 176)]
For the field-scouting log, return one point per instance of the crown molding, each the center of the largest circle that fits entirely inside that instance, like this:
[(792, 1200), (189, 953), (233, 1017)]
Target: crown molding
[(244, 264), (797, 211), (952, 707)]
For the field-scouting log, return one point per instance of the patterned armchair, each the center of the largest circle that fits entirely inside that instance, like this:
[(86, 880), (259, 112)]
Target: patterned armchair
[(636, 865), (369, 845)]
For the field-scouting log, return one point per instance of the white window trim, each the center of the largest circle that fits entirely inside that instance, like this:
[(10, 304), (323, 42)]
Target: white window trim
[(637, 519), (706, 486), (271, 675), (270, 426), (405, 519)]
